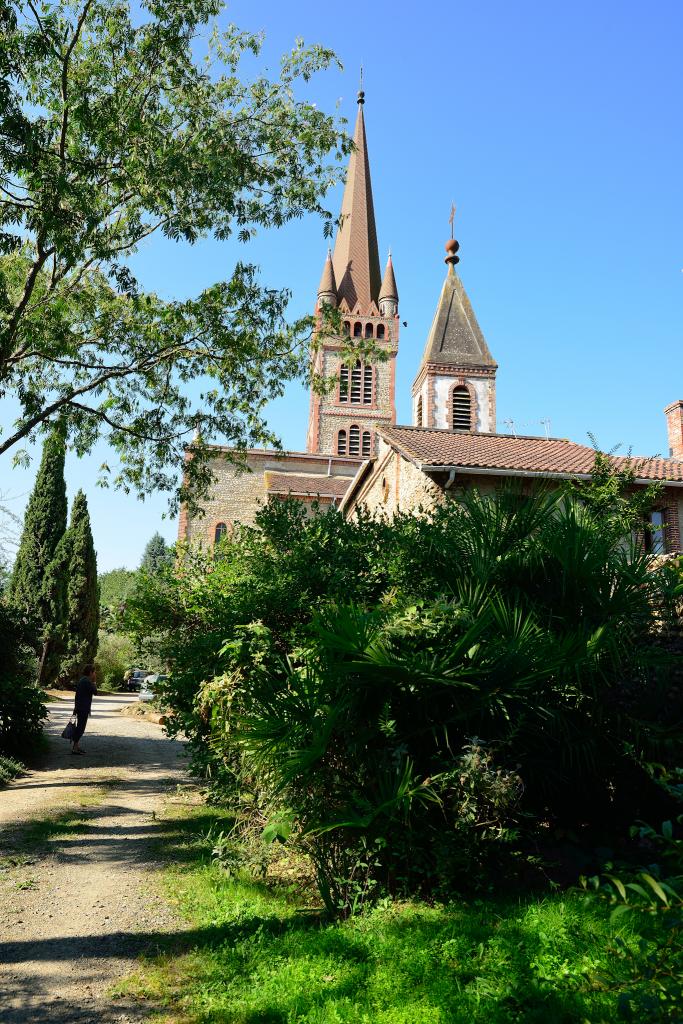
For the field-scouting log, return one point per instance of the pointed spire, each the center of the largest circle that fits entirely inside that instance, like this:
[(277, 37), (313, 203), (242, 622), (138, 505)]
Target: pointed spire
[(356, 256), (389, 289), (327, 289)]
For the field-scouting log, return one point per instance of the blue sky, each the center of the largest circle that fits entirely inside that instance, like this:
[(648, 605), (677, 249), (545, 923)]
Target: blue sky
[(557, 131)]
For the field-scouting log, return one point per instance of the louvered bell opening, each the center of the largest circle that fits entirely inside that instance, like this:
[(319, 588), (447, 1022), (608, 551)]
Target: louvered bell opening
[(354, 440), (365, 450), (462, 409), (418, 414), (367, 385), (356, 377), (341, 442), (344, 384)]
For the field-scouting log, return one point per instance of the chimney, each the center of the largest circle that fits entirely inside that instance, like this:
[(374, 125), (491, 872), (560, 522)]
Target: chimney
[(674, 423)]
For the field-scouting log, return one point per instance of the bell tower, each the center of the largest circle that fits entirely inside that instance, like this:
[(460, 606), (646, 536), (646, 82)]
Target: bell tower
[(343, 420), (455, 386)]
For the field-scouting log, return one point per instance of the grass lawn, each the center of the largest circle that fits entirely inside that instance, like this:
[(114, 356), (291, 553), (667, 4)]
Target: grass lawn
[(254, 956)]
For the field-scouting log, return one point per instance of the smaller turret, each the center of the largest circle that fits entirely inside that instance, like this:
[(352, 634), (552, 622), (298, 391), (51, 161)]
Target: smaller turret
[(388, 293), (327, 289)]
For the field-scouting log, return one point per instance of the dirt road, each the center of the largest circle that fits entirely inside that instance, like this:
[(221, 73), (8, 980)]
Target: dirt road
[(77, 898)]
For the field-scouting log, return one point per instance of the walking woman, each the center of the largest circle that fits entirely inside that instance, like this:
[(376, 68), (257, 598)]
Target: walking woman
[(84, 694)]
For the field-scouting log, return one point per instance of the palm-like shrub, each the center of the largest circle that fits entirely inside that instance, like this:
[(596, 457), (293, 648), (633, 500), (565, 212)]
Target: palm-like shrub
[(514, 627)]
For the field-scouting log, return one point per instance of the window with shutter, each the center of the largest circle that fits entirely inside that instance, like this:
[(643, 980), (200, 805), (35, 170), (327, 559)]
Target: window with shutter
[(341, 442), (461, 411), (366, 446), (354, 440), (367, 385)]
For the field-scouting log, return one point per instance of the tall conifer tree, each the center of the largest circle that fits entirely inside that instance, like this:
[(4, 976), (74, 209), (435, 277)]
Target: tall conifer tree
[(44, 527), (156, 555), (78, 603)]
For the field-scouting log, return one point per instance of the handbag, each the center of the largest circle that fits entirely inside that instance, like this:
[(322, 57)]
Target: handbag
[(69, 729)]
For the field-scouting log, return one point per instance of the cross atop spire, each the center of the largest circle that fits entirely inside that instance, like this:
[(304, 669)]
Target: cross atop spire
[(356, 256)]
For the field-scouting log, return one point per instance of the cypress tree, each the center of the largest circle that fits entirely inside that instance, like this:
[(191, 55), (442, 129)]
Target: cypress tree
[(78, 603), (44, 526)]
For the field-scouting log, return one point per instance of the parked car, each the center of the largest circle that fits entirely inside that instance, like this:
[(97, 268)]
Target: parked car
[(149, 685), (133, 680)]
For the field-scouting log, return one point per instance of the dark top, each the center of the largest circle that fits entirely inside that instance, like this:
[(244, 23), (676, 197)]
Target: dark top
[(84, 691)]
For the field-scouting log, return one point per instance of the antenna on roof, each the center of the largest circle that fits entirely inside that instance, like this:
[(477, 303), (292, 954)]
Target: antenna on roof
[(545, 423), (510, 424)]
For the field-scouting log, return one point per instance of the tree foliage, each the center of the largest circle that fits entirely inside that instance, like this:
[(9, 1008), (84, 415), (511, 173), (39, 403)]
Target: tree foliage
[(156, 555), (409, 696), (112, 130), (22, 711)]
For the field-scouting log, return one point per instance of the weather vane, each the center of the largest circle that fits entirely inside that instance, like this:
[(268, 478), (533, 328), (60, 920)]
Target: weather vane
[(452, 218)]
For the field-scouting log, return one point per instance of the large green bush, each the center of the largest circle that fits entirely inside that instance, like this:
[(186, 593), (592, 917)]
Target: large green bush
[(405, 699), (22, 711)]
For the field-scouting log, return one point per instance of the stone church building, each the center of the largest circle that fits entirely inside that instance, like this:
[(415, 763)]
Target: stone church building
[(356, 455)]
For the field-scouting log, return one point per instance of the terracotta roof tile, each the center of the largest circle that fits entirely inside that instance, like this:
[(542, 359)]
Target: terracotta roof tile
[(551, 456), (312, 484)]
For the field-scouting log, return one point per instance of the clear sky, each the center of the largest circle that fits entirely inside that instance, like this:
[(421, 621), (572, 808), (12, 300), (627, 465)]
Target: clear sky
[(557, 130)]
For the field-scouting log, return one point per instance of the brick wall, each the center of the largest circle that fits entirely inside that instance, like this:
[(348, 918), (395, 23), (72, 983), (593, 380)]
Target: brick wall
[(674, 424)]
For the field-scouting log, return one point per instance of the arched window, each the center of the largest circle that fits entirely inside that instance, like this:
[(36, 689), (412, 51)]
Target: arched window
[(418, 412), (461, 408), (220, 532), (347, 328), (366, 445), (356, 380), (341, 442), (367, 385), (368, 330), (358, 330), (343, 383), (380, 332), (354, 440)]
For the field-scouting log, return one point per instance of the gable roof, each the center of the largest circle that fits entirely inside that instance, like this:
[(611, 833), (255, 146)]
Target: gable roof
[(452, 449), (455, 337), (356, 256)]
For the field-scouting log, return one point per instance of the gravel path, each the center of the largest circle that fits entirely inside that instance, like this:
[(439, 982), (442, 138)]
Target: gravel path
[(77, 907)]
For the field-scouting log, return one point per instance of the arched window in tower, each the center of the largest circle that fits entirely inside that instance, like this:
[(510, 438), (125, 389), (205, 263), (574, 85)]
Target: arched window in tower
[(341, 442), (220, 532), (366, 445), (380, 332), (347, 328), (356, 383), (418, 412), (461, 409), (343, 383), (354, 440), (368, 330), (367, 385), (358, 330)]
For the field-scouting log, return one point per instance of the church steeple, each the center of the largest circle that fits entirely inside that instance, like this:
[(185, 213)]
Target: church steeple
[(356, 255), (343, 420)]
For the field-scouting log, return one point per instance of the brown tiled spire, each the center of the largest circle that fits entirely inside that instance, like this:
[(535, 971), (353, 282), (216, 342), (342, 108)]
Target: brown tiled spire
[(356, 257), (327, 289), (389, 289)]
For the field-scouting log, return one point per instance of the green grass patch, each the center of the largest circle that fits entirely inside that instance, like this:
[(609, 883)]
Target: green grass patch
[(253, 955)]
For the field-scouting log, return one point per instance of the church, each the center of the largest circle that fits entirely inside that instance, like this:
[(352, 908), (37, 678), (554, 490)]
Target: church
[(357, 456)]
